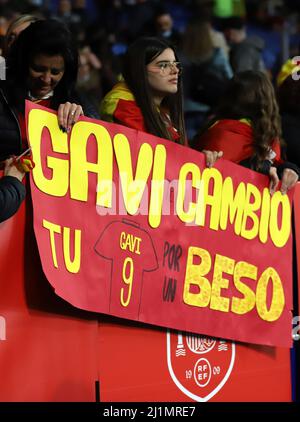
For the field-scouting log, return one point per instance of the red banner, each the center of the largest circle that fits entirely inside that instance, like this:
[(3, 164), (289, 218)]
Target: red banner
[(44, 340), (134, 226)]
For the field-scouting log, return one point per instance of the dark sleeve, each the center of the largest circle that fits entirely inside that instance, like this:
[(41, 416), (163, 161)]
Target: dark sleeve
[(266, 165), (88, 107), (250, 163), (287, 165), (12, 193)]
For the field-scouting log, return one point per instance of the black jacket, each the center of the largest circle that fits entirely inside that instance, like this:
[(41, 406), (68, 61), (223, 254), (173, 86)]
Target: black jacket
[(12, 193), (10, 133)]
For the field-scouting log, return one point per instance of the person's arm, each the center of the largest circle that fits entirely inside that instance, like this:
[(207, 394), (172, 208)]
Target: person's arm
[(12, 190), (12, 193), (289, 174)]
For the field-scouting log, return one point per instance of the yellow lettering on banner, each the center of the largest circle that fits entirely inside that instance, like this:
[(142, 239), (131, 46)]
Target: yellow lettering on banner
[(189, 215), (277, 301), (132, 189), (243, 305), (157, 186), (280, 235), (122, 239), (128, 280), (253, 214), (232, 205), (38, 120), (73, 266), (223, 264), (194, 276), (249, 212), (137, 245), (265, 216), (209, 294), (214, 199), (53, 228), (130, 242), (82, 133)]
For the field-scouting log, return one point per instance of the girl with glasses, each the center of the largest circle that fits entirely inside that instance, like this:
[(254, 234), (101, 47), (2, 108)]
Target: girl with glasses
[(150, 96)]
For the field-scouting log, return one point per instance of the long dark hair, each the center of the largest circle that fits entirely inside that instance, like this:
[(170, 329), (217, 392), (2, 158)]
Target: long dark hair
[(48, 37), (138, 55), (250, 94)]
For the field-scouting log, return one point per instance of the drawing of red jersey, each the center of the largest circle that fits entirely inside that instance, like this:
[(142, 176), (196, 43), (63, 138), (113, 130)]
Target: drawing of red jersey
[(131, 252)]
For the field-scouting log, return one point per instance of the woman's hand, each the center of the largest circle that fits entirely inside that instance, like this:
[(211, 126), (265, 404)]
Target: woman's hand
[(211, 156), (288, 180), (68, 114), (274, 180)]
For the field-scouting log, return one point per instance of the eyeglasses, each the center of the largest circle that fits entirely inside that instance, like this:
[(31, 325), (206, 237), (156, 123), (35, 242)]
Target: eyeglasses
[(166, 67)]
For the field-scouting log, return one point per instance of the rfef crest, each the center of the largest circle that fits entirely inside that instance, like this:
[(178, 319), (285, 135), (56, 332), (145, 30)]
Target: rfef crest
[(199, 366)]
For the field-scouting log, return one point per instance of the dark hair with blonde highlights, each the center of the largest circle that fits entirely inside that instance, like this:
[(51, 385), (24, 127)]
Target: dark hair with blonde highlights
[(10, 35)]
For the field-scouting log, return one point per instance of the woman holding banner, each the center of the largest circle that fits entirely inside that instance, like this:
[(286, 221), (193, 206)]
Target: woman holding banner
[(42, 67), (150, 97), (247, 129)]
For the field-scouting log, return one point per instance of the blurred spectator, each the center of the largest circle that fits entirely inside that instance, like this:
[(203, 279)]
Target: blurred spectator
[(74, 17), (89, 80), (102, 46), (65, 14), (206, 71), (16, 26), (164, 26), (137, 14), (245, 52), (219, 41), (206, 67), (204, 11)]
